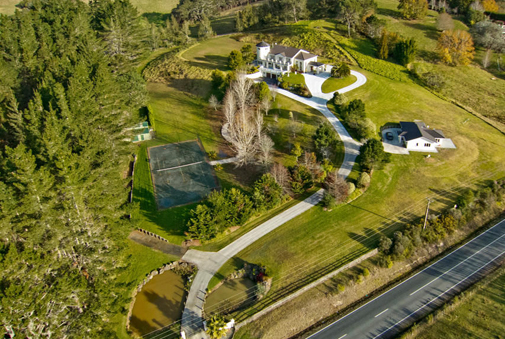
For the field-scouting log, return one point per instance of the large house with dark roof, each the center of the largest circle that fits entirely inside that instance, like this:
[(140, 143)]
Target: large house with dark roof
[(416, 136), (279, 60)]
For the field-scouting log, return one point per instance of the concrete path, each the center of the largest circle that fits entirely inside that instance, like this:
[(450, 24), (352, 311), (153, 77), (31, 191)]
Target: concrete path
[(318, 101), (209, 262), (224, 161)]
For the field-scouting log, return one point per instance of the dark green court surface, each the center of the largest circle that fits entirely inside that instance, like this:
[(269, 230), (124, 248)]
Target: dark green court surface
[(180, 173)]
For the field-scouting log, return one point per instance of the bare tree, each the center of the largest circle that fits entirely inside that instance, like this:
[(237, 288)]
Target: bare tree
[(273, 93), (281, 176), (266, 145), (244, 123), (336, 186), (294, 128), (213, 102), (266, 104)]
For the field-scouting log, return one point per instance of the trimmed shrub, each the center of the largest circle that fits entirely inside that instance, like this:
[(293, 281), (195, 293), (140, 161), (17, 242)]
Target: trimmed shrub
[(363, 180)]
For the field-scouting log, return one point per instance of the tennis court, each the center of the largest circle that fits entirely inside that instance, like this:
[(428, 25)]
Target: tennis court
[(180, 173)]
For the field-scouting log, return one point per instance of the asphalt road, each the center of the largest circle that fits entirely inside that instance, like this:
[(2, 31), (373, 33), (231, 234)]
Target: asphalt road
[(398, 308)]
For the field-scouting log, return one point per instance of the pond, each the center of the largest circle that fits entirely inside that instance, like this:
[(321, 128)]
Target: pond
[(159, 304), (232, 294)]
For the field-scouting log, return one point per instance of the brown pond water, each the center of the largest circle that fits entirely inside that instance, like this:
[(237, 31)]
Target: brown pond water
[(232, 294), (160, 303)]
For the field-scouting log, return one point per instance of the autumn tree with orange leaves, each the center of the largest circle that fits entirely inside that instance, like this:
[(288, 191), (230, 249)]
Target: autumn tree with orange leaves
[(490, 5), (456, 47)]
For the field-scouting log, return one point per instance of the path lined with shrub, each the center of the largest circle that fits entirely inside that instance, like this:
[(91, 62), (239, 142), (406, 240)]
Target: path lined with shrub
[(209, 262)]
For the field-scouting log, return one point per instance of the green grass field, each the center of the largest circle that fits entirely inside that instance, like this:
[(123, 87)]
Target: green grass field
[(156, 6), (479, 316), (398, 192), (294, 79), (180, 116), (143, 6), (212, 53), (8, 6), (334, 84), (306, 118), (470, 85)]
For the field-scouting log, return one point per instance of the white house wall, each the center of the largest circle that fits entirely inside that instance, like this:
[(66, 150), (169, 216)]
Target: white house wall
[(417, 145)]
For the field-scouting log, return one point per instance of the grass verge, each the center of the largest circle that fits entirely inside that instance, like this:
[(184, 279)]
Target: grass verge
[(477, 313)]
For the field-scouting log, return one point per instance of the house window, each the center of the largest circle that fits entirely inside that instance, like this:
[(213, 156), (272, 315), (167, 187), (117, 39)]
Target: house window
[(427, 145), (437, 140), (417, 144)]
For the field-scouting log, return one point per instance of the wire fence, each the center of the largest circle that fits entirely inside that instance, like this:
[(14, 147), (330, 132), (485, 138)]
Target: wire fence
[(310, 270)]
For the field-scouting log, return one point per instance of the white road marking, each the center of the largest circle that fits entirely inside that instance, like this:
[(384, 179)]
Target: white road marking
[(432, 300), (412, 277), (483, 248), (381, 312), (345, 335)]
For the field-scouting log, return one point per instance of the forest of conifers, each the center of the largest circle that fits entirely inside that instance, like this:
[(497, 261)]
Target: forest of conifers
[(68, 90)]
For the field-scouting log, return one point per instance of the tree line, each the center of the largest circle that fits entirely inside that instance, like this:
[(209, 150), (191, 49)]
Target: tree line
[(472, 206), (68, 91)]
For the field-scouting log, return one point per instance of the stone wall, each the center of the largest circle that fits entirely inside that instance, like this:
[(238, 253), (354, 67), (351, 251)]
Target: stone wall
[(154, 235)]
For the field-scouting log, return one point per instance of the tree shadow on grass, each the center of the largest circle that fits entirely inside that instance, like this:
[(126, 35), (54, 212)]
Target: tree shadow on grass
[(211, 62), (369, 238), (156, 17), (388, 12), (198, 87), (371, 212), (429, 56), (429, 31)]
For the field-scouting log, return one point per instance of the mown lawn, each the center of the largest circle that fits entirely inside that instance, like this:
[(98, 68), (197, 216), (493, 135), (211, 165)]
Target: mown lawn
[(294, 79), (180, 116), (141, 261), (470, 85), (279, 126), (423, 30), (334, 84), (155, 6), (212, 53), (8, 6), (398, 192), (479, 316)]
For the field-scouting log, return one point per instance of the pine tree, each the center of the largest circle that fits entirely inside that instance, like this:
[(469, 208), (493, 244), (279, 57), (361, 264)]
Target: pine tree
[(61, 198), (384, 47)]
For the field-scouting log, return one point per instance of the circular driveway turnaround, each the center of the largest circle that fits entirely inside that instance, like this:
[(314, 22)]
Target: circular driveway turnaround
[(209, 263)]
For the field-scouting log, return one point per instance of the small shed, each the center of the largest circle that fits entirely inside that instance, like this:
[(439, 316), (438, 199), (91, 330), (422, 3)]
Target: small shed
[(141, 131)]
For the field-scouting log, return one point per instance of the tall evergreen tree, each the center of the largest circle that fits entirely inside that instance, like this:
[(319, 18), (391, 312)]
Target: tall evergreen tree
[(62, 147)]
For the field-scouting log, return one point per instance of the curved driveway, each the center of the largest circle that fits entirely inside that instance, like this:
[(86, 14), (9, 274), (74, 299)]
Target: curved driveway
[(209, 262)]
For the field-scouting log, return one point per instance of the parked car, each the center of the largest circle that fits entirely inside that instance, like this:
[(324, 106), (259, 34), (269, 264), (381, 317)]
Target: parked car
[(389, 136)]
